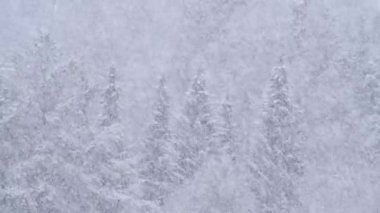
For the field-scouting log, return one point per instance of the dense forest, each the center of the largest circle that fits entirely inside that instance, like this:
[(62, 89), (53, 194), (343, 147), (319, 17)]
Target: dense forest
[(192, 106)]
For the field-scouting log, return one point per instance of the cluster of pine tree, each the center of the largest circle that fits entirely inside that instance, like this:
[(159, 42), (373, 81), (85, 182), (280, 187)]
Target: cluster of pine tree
[(54, 153), (76, 136), (200, 140)]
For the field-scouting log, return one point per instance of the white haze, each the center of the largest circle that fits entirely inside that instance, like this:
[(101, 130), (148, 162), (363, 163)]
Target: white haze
[(201, 106)]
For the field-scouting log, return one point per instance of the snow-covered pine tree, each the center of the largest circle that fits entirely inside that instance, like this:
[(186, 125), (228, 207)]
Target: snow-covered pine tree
[(246, 125), (85, 94), (77, 94), (219, 185), (196, 128), (7, 154), (44, 146), (370, 105), (44, 63), (226, 129), (109, 147), (276, 164), (3, 100), (111, 97), (157, 164)]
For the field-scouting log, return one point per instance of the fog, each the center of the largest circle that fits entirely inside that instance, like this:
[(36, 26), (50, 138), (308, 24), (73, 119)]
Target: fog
[(213, 106)]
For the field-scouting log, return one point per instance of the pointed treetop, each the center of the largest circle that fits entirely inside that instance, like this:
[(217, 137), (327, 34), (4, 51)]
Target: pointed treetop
[(44, 42), (199, 82), (46, 50), (162, 81), (279, 75), (161, 105), (277, 95), (44, 38), (226, 112), (161, 88), (111, 97), (112, 75)]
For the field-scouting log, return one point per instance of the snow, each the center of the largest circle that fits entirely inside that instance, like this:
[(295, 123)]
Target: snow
[(206, 106)]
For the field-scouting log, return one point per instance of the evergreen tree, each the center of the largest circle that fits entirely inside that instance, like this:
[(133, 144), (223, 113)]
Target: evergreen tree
[(196, 128), (219, 184), (85, 94), (157, 164), (226, 129), (44, 145), (276, 161), (109, 146), (111, 96), (3, 98), (77, 95), (44, 63), (370, 106)]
